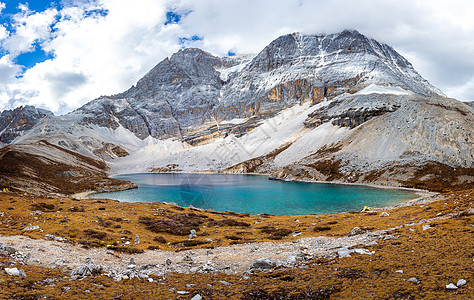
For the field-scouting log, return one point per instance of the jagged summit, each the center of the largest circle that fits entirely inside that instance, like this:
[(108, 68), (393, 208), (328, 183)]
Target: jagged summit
[(193, 88)]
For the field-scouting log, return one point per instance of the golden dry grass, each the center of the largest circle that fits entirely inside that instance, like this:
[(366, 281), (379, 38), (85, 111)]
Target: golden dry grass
[(436, 256)]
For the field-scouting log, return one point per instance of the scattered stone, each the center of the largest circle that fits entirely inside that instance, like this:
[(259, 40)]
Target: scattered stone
[(137, 240), (262, 264), (197, 297), (127, 243), (461, 282), (291, 260), (15, 272), (225, 282), (55, 238), (150, 279), (451, 286), (343, 252), (194, 269), (356, 231), (31, 228), (426, 227), (182, 292), (399, 271), (414, 280), (87, 269), (193, 234), (7, 250), (384, 214)]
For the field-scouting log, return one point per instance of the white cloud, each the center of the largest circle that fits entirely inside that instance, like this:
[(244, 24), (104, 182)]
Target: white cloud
[(29, 28), (99, 55), (3, 33)]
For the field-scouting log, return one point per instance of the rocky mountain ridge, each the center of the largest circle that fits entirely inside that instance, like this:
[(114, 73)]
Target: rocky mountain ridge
[(308, 107), (14, 123)]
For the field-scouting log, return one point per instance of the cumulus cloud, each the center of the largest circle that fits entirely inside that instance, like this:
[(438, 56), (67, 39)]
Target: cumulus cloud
[(101, 47), (29, 28)]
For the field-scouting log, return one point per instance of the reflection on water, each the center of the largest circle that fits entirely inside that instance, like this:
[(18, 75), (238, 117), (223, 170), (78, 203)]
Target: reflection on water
[(254, 194)]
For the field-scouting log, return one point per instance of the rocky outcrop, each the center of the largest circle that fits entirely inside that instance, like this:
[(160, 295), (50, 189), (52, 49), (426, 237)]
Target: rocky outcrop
[(350, 117), (15, 122)]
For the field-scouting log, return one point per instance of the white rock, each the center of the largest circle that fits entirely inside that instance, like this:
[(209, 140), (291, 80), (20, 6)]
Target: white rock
[(263, 263), (426, 227), (182, 292), (451, 286), (399, 271), (31, 227), (15, 272), (197, 297), (127, 243), (461, 282), (414, 280), (291, 260), (384, 214), (150, 279)]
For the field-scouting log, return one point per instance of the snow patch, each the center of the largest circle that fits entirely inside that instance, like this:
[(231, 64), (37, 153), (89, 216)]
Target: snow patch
[(379, 89)]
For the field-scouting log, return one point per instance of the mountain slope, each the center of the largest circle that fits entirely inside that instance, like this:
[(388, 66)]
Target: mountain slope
[(44, 168), (322, 107)]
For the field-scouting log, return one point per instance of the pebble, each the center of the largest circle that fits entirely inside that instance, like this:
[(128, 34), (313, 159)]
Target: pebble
[(384, 214), (399, 271), (197, 297), (451, 286), (182, 292), (150, 279), (15, 272), (461, 282)]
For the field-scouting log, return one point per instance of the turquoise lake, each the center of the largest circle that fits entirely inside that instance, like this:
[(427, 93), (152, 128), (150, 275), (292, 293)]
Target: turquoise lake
[(254, 194)]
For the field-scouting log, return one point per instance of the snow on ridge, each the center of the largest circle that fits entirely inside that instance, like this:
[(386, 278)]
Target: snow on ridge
[(226, 72), (379, 89)]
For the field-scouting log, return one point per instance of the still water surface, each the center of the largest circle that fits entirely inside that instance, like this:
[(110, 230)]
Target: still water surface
[(254, 194)]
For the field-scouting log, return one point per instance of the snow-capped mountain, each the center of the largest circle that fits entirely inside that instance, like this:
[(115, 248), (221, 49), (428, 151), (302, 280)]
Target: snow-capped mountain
[(304, 105)]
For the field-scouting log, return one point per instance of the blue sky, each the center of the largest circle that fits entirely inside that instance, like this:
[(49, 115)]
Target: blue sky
[(61, 54)]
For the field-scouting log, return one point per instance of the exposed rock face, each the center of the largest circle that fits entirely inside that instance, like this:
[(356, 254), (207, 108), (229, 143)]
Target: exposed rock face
[(15, 122), (320, 107), (194, 89)]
